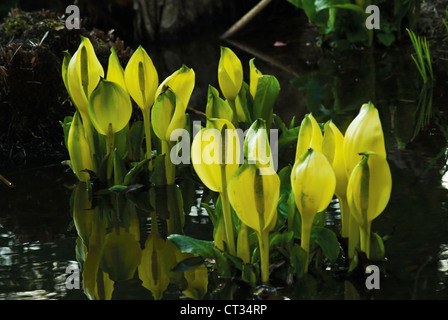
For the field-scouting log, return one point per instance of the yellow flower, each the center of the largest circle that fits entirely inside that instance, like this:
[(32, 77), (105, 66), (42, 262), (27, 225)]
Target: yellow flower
[(368, 193), (313, 183), (115, 71), (256, 146), (78, 149), (230, 73), (84, 72), (364, 133), (152, 267), (209, 152), (110, 107), (332, 148), (141, 78), (181, 82), (121, 255), (215, 153), (65, 62), (217, 107), (310, 136), (168, 114), (254, 196), (197, 280), (254, 75)]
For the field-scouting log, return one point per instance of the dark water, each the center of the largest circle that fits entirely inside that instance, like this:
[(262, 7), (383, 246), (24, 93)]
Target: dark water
[(38, 240)]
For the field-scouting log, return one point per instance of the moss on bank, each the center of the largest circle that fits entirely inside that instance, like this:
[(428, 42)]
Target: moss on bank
[(32, 96)]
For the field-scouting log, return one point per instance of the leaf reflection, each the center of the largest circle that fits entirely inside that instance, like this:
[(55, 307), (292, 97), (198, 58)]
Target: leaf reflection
[(122, 244)]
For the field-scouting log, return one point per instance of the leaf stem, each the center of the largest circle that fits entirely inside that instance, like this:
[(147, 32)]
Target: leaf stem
[(147, 124), (228, 225)]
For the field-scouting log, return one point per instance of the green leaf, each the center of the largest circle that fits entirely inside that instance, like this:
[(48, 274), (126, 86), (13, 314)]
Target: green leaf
[(119, 168), (66, 128), (295, 2), (327, 4), (377, 251), (328, 242), (268, 89), (248, 274), (188, 244), (386, 38), (158, 176), (216, 106), (278, 239), (299, 259), (137, 173), (117, 188), (136, 137), (188, 264), (244, 103)]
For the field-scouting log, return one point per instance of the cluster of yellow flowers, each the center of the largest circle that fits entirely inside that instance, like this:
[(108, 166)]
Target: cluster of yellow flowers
[(104, 104), (352, 166)]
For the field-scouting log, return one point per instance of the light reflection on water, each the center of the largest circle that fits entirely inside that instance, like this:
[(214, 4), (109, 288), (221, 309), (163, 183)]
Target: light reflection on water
[(34, 270)]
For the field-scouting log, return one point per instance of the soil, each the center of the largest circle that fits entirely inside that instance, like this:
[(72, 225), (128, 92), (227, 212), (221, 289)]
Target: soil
[(33, 98)]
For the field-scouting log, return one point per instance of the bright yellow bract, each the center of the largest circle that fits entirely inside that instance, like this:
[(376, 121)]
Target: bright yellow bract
[(207, 156), (230, 73), (84, 71), (310, 136), (369, 188), (141, 78), (364, 133), (110, 107)]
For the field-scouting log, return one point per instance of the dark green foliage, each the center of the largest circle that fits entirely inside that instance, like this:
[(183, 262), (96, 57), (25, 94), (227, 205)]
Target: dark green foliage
[(342, 22)]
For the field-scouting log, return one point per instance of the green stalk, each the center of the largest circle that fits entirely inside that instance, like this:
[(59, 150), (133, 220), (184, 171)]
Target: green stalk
[(235, 114), (345, 216), (110, 140), (228, 225), (353, 237), (147, 124), (242, 247), (170, 168), (305, 239), (88, 133), (365, 239), (263, 242)]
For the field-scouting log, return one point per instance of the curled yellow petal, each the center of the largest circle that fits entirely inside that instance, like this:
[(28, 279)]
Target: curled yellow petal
[(369, 188), (141, 78), (230, 73), (167, 114), (210, 150), (84, 71), (78, 149), (256, 146), (109, 107), (254, 75), (217, 107), (181, 82), (254, 196), (310, 136), (115, 71), (364, 133), (333, 149), (313, 182)]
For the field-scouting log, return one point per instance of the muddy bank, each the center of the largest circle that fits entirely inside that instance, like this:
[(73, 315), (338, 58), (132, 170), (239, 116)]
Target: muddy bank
[(32, 96)]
